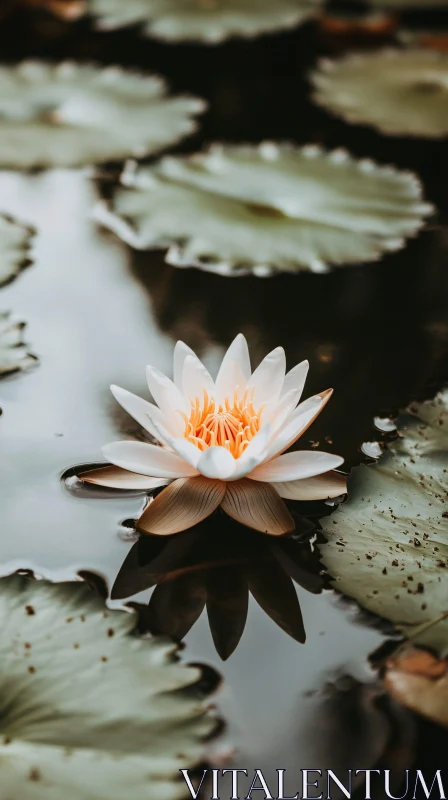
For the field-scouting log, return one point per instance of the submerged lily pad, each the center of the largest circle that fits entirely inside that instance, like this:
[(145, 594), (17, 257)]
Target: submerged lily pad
[(269, 208), (14, 355), (388, 545), (88, 710), (15, 243), (400, 92), (208, 21), (74, 114)]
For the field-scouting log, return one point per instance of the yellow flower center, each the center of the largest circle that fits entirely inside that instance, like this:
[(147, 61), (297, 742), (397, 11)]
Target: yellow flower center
[(231, 424)]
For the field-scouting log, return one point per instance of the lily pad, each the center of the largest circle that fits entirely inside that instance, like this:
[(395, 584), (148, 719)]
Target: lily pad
[(75, 114), (388, 545), (266, 208), (14, 355), (89, 711), (208, 21), (15, 243), (399, 92)]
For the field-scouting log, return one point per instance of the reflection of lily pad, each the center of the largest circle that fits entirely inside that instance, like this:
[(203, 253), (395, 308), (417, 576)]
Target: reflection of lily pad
[(14, 354), (266, 208), (402, 92), (388, 545), (88, 711), (209, 21), (74, 114), (15, 240)]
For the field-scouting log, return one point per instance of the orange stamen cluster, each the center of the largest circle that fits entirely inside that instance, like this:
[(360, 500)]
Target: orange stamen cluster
[(231, 425)]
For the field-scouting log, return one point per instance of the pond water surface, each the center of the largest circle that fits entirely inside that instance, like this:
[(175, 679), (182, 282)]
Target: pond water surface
[(98, 313)]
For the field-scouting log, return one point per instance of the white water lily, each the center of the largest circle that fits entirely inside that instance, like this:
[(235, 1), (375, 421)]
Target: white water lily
[(71, 114), (399, 92), (222, 443), (265, 208), (208, 21)]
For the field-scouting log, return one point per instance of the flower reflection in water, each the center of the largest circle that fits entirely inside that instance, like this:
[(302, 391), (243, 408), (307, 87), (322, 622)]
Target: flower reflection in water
[(209, 567)]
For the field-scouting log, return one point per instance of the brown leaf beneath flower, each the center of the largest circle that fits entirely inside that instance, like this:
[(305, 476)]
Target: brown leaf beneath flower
[(183, 504), (258, 506)]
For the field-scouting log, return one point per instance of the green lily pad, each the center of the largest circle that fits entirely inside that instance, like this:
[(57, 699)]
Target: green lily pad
[(399, 92), (15, 243), (14, 355), (90, 712), (208, 21), (71, 114), (388, 545), (266, 208)]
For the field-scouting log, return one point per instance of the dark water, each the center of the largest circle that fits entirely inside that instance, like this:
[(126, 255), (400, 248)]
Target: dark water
[(98, 313)]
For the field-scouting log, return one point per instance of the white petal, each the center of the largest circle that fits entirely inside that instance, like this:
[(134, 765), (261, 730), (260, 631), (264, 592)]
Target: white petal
[(181, 505), (196, 379), (165, 393), (278, 413), (268, 378), (147, 459), (254, 454), (295, 380), (299, 464), (298, 423), (257, 506), (185, 449), (319, 487), (143, 412), (181, 351), (235, 369), (116, 478), (216, 462)]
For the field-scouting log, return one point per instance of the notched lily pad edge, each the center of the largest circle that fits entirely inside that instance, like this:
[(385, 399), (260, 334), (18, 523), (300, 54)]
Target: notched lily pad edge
[(26, 251), (120, 225)]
